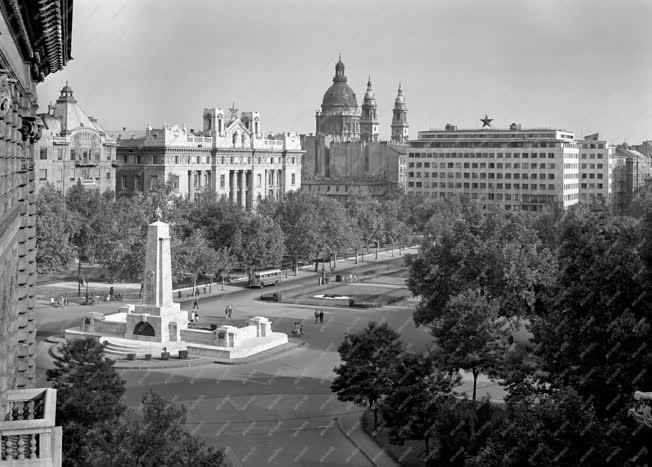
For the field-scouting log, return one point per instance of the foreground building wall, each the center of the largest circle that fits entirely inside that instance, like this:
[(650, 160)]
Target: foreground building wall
[(34, 42)]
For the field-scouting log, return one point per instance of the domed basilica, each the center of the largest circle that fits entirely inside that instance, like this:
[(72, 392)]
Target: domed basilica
[(341, 119)]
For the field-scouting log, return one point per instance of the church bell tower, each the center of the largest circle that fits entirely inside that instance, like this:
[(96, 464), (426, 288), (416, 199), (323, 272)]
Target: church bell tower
[(399, 119), (368, 118)]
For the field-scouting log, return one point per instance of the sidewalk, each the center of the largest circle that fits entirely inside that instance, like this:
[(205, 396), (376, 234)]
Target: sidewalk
[(351, 427)]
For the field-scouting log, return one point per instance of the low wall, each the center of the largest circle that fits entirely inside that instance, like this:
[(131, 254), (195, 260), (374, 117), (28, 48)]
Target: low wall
[(108, 327), (247, 348), (247, 332), (198, 336)]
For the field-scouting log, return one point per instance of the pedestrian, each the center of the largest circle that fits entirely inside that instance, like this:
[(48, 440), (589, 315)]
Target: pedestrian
[(226, 311), (204, 290), (321, 316), (61, 302), (195, 304), (195, 316), (316, 315), (196, 292), (230, 311), (300, 328), (52, 301), (210, 287)]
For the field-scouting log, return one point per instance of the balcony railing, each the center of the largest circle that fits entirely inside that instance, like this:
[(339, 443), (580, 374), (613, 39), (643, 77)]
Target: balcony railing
[(28, 436)]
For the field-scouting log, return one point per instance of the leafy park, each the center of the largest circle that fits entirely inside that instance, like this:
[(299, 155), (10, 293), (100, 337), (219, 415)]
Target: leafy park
[(578, 281)]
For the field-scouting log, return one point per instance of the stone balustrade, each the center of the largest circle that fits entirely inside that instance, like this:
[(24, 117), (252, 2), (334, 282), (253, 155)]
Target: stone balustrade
[(28, 435)]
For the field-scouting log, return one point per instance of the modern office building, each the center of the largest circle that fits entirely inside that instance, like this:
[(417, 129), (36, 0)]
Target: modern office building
[(74, 148), (35, 41), (228, 158), (514, 168), (596, 169)]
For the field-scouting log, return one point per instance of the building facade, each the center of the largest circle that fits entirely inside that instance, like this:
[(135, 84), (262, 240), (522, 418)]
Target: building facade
[(631, 169), (596, 169), (35, 41), (228, 158), (513, 168), (74, 148)]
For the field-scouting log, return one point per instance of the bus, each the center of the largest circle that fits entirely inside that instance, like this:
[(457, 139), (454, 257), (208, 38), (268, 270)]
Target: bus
[(267, 277)]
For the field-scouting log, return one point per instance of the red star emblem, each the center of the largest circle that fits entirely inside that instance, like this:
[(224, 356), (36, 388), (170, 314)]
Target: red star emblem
[(486, 121)]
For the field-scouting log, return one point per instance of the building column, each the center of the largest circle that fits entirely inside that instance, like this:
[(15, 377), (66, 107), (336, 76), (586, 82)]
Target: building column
[(250, 189), (242, 201), (265, 184), (233, 183), (191, 186)]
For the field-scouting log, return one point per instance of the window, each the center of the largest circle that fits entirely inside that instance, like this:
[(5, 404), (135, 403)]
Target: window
[(176, 159), (123, 181), (108, 175), (43, 174), (153, 182), (293, 179), (44, 154), (59, 153), (223, 180)]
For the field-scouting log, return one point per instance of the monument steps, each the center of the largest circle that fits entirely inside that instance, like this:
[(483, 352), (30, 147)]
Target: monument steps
[(117, 347)]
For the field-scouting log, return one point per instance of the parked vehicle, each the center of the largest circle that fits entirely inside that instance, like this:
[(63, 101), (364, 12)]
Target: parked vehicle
[(264, 278)]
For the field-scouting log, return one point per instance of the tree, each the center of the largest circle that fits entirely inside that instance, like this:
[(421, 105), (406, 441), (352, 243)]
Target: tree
[(258, 242), (152, 436), (368, 214), (55, 229), (556, 428), (471, 335), (89, 390), (192, 256), (303, 224), (394, 230), (368, 358), (87, 205), (413, 404), (499, 254), (594, 326)]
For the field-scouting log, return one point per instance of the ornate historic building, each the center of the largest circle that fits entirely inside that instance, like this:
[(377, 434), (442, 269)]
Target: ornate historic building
[(35, 40), (345, 155), (369, 119), (229, 157), (399, 119), (339, 116), (74, 148)]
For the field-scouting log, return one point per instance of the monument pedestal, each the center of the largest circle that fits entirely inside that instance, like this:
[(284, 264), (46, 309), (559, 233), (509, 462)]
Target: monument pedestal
[(155, 323)]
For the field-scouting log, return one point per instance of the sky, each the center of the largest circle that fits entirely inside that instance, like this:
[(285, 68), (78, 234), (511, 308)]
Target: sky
[(581, 65)]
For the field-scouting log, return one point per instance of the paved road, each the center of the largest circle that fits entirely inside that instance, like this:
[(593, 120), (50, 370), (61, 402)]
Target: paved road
[(275, 411)]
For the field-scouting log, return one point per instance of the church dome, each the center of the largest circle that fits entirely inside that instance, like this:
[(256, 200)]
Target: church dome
[(339, 94)]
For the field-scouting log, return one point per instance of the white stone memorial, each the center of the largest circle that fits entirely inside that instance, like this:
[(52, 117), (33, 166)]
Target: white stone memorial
[(158, 323)]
